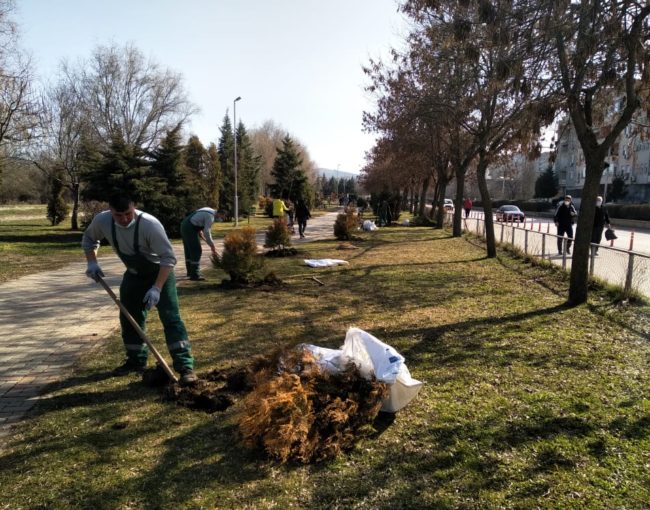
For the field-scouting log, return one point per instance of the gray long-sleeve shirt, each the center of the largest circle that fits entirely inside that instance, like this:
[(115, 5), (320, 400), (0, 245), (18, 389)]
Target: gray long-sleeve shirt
[(204, 217), (154, 243)]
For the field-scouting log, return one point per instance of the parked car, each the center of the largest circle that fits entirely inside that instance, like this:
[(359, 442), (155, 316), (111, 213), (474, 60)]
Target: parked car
[(510, 213), (449, 205)]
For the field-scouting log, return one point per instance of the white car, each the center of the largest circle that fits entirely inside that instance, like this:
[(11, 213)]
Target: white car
[(449, 205)]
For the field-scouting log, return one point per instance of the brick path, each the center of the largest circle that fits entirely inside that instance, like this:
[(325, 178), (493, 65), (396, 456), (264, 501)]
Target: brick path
[(49, 319)]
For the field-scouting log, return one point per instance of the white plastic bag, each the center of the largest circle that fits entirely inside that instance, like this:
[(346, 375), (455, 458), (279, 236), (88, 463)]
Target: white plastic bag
[(369, 225), (372, 356)]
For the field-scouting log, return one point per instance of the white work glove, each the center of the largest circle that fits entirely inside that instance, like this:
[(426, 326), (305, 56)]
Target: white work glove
[(151, 298), (94, 271)]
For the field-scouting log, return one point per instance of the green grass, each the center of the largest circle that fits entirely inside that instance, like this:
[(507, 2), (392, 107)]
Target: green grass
[(29, 243), (527, 404)]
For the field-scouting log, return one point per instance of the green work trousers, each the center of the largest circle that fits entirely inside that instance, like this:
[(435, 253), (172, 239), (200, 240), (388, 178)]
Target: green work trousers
[(192, 247), (132, 291)]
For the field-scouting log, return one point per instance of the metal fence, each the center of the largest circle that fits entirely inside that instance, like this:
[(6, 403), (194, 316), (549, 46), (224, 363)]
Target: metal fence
[(625, 268)]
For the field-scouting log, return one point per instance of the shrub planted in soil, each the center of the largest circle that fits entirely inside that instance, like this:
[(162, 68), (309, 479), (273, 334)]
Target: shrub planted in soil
[(239, 258)]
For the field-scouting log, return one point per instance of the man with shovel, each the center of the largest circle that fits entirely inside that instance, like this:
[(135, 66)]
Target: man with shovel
[(140, 241)]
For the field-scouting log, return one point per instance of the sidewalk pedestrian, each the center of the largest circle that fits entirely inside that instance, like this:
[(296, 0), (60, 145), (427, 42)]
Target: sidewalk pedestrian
[(196, 226), (565, 216), (140, 241), (467, 205), (601, 220), (302, 215)]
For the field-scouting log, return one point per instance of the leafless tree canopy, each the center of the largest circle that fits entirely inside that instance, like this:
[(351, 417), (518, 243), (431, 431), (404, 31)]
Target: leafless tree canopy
[(123, 94), (18, 107)]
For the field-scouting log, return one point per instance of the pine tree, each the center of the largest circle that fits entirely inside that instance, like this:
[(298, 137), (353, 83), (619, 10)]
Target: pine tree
[(214, 177), (290, 180), (57, 207), (175, 198), (546, 185), (248, 168), (120, 168), (226, 155)]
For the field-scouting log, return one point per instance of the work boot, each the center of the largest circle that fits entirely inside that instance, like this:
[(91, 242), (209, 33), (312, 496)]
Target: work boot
[(197, 278), (188, 377), (129, 367)]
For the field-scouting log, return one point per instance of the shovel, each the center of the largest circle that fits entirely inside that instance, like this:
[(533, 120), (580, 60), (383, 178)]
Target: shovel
[(161, 361)]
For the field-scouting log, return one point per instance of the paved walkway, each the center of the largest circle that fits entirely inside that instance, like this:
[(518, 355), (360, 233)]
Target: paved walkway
[(49, 319)]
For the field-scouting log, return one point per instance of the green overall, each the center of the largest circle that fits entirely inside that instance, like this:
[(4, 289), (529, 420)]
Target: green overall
[(191, 246), (139, 277)]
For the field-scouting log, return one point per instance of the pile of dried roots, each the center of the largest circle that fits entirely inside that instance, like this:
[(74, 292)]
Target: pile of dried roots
[(298, 412)]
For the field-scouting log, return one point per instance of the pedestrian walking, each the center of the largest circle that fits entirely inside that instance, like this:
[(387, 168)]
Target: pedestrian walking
[(564, 219), (302, 215), (196, 226), (383, 211), (467, 205), (140, 241), (601, 220), (280, 209)]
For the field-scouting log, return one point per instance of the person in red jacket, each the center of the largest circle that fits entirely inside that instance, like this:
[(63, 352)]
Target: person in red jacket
[(467, 205)]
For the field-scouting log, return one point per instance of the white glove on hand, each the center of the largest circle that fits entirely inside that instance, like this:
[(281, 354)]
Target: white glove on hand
[(151, 298), (94, 271)]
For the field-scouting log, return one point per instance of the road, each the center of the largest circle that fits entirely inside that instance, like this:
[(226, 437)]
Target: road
[(611, 264)]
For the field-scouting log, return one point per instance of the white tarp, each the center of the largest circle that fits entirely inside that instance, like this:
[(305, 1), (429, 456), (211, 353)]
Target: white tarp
[(369, 225), (324, 262), (372, 356)]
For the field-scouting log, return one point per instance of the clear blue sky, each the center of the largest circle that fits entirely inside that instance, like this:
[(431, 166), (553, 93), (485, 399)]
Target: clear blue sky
[(297, 62)]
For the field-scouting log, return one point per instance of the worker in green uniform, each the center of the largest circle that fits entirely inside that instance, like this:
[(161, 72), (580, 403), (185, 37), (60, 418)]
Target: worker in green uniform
[(140, 241), (197, 226)]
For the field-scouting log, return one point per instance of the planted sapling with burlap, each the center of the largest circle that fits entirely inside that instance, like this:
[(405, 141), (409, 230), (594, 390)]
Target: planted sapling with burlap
[(278, 238), (345, 224)]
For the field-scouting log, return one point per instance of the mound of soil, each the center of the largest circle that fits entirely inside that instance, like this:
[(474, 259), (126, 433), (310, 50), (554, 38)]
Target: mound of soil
[(269, 280), (292, 409), (284, 252)]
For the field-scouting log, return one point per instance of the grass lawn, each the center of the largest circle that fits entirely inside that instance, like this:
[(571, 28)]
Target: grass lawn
[(527, 404), (29, 243)]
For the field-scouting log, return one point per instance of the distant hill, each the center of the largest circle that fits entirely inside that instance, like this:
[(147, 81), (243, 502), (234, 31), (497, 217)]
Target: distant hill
[(339, 174)]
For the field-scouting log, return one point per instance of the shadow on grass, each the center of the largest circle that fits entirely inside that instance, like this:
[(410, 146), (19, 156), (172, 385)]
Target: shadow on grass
[(70, 238)]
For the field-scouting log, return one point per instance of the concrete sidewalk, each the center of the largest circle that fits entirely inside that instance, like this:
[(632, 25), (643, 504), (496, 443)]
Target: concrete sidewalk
[(49, 319)]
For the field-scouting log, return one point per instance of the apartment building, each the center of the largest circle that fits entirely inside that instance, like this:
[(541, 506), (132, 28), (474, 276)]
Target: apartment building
[(629, 159)]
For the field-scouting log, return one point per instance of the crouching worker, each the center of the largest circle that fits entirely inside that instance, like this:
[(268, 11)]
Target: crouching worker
[(197, 225), (140, 241)]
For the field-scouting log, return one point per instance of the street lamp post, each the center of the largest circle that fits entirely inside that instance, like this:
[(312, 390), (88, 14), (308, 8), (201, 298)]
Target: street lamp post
[(234, 128)]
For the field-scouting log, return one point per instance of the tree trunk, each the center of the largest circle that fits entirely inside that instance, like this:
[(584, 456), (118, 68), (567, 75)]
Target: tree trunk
[(580, 262), (439, 202), (423, 196), (487, 207), (75, 207), (458, 203)]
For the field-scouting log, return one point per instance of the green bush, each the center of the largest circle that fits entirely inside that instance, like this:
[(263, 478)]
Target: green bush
[(88, 209), (629, 211), (278, 235), (239, 258), (345, 224)]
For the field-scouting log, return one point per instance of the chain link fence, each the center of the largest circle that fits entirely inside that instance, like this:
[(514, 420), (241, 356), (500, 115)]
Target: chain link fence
[(625, 268)]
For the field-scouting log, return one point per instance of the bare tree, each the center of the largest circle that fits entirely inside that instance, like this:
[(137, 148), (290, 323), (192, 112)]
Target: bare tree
[(18, 105), (122, 93), (602, 58)]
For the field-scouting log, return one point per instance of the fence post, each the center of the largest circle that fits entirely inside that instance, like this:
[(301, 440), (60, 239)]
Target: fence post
[(513, 235), (592, 259), (564, 241), (631, 240), (628, 278), (526, 242), (548, 228), (543, 246), (501, 232)]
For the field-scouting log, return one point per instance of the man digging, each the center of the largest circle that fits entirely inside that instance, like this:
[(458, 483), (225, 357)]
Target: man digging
[(140, 241), (194, 227)]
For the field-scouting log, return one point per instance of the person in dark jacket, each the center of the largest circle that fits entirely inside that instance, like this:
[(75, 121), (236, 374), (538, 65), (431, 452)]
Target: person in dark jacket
[(564, 219), (601, 220), (302, 215)]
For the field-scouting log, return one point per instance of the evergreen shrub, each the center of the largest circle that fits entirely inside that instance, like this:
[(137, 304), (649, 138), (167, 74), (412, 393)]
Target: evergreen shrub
[(278, 236), (239, 258), (345, 224)]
